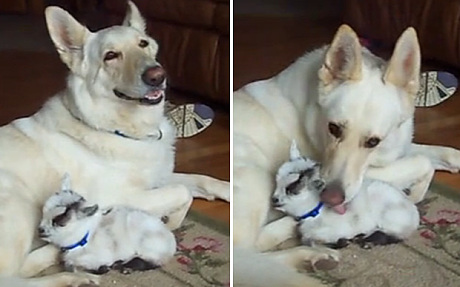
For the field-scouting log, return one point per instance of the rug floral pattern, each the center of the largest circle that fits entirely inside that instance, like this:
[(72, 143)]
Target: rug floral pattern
[(430, 257), (199, 256), (202, 260)]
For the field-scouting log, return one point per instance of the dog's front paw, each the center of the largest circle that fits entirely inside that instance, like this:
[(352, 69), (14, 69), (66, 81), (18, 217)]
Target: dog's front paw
[(218, 189), (326, 259), (450, 160), (223, 190), (83, 280), (318, 258)]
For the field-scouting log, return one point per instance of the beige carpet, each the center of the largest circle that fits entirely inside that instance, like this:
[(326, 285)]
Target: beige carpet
[(431, 257), (202, 260)]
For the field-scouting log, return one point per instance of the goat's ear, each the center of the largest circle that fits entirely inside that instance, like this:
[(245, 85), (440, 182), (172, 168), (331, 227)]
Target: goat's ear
[(294, 152), (89, 210), (65, 183)]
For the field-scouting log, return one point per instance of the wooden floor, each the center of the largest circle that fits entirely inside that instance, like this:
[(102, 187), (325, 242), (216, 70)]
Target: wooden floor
[(264, 45), (27, 79)]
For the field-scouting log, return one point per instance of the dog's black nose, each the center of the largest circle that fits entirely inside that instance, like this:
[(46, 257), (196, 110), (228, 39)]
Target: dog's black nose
[(275, 200), (154, 76)]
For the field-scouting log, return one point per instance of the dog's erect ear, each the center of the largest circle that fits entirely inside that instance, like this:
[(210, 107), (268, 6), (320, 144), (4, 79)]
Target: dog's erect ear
[(343, 58), (404, 67), (134, 18), (89, 210), (67, 34), (294, 152)]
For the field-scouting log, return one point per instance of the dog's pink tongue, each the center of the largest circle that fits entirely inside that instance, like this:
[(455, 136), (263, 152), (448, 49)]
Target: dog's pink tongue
[(340, 209)]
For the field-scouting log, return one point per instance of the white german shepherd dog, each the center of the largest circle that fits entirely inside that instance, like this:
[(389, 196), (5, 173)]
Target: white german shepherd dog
[(107, 129), (346, 108)]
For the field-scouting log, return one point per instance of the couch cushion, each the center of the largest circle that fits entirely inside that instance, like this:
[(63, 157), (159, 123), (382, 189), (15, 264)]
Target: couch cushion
[(192, 57), (222, 19), (436, 23), (200, 13)]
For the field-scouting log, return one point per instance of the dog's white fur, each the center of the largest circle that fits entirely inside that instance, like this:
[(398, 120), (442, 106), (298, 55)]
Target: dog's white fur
[(74, 132), (342, 84), (378, 206), (117, 233)]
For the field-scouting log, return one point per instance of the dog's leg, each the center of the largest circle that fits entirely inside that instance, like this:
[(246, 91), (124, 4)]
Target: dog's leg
[(64, 279), (39, 259), (252, 189), (18, 219), (203, 186), (172, 201), (413, 173), (276, 233), (252, 268), (441, 157)]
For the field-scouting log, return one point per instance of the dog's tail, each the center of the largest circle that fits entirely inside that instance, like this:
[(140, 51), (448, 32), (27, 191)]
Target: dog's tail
[(252, 269)]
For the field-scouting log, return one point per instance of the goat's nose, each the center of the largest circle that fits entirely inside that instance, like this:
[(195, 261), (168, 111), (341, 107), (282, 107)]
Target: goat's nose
[(154, 76), (275, 200), (41, 231)]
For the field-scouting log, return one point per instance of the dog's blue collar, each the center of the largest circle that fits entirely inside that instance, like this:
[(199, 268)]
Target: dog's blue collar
[(80, 243), (120, 133), (312, 213)]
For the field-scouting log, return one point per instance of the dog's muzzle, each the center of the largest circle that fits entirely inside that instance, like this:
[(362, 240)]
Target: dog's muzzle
[(155, 78), (334, 196)]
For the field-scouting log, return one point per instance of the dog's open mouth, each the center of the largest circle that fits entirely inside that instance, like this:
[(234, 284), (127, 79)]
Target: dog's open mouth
[(153, 97)]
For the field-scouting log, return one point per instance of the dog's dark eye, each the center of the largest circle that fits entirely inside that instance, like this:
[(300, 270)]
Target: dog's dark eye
[(372, 142), (335, 130), (110, 55), (143, 43)]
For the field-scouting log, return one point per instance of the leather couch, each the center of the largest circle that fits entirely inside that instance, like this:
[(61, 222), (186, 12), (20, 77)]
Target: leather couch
[(194, 42), (436, 22)]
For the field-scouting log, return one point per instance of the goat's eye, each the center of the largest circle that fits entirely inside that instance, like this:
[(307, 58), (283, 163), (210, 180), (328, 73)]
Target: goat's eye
[(143, 43), (110, 55), (293, 188), (335, 130), (372, 142), (61, 219)]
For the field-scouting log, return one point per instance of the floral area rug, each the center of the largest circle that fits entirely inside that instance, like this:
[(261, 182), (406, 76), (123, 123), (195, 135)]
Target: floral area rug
[(202, 259), (431, 257)]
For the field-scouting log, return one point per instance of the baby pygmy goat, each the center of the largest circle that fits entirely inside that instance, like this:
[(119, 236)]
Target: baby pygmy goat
[(378, 214), (96, 240)]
